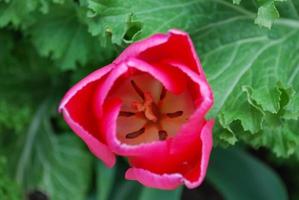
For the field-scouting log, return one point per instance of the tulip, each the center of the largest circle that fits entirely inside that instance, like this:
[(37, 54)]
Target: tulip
[(149, 106)]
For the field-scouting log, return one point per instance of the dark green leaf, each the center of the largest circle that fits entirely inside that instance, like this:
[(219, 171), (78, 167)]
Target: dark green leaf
[(56, 165), (239, 176), (149, 194), (105, 180)]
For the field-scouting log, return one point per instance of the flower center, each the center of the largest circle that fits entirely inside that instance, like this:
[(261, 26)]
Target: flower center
[(150, 111)]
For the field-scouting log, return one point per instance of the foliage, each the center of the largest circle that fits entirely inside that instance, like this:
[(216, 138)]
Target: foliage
[(248, 49), (9, 190), (230, 179)]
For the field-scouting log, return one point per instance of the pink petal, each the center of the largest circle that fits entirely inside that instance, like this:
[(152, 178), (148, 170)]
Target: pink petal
[(98, 74), (77, 108), (165, 181), (207, 145), (164, 46), (172, 79), (100, 150), (206, 96), (137, 47), (191, 179), (105, 87)]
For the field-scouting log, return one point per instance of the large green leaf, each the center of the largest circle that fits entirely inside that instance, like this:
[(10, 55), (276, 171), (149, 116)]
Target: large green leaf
[(239, 176), (56, 165), (251, 73), (116, 17)]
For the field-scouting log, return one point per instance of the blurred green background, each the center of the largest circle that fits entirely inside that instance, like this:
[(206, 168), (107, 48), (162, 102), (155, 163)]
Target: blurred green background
[(249, 51)]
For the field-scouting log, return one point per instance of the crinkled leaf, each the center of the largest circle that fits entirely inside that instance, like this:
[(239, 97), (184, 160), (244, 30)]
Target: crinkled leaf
[(277, 136), (61, 36), (23, 82), (292, 109), (257, 58), (20, 12)]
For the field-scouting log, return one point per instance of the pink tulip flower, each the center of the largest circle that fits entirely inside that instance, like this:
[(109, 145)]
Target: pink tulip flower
[(148, 105)]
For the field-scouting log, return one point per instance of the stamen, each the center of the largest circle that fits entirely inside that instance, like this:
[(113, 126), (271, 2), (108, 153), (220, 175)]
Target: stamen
[(135, 134), (137, 89), (126, 114), (162, 135), (163, 93), (175, 114)]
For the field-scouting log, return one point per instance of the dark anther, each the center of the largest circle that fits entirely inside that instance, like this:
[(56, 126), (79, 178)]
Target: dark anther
[(135, 134), (37, 195), (126, 114), (175, 114), (163, 93), (162, 135), (137, 89)]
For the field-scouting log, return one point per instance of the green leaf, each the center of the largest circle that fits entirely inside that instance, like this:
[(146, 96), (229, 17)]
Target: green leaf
[(20, 12), (56, 165), (237, 175), (9, 190), (23, 82), (105, 180), (63, 37), (292, 110), (267, 13), (149, 194), (245, 70), (278, 133), (277, 136), (114, 17), (237, 2), (267, 97)]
